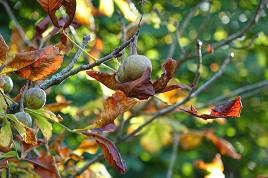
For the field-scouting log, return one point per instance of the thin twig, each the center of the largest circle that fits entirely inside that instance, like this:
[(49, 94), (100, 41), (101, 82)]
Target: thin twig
[(123, 32), (57, 79), (252, 41), (238, 92), (173, 155), (178, 36), (13, 18), (199, 63)]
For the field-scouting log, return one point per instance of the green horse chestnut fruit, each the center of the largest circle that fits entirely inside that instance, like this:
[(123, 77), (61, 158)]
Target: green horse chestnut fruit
[(8, 85), (35, 98), (24, 117), (133, 67)]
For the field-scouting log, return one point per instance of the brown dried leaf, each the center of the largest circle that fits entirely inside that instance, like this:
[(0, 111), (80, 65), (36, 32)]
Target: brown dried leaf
[(141, 88), (113, 106), (168, 68), (16, 42), (230, 109), (45, 166), (66, 45), (3, 50), (55, 107), (70, 6), (110, 152), (26, 148), (43, 67), (224, 146)]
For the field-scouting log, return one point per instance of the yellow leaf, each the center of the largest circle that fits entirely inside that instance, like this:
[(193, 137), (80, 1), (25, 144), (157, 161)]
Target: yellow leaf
[(106, 7), (126, 10), (3, 50), (155, 136)]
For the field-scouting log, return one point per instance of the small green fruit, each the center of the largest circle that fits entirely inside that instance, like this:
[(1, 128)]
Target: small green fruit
[(25, 118), (8, 85), (35, 98), (133, 67)]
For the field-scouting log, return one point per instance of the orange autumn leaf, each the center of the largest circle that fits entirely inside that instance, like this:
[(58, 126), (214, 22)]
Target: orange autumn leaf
[(88, 145), (51, 6), (224, 146), (84, 13), (47, 64), (16, 42), (215, 168), (97, 48), (3, 50), (110, 152), (45, 166), (230, 109), (113, 106), (210, 49), (106, 7), (190, 140)]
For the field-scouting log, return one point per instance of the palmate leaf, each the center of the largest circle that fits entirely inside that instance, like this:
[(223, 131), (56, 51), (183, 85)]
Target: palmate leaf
[(5, 136)]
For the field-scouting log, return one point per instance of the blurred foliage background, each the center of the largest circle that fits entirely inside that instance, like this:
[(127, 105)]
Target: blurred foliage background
[(211, 23)]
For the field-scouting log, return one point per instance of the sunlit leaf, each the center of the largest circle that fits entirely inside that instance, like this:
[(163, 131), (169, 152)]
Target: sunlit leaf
[(5, 135), (230, 109), (9, 154), (84, 11), (88, 145), (55, 107), (106, 7), (141, 88), (3, 50), (44, 125), (110, 152), (43, 67), (190, 140), (26, 58), (113, 106), (45, 166), (156, 135), (224, 146), (215, 168), (126, 10), (49, 115)]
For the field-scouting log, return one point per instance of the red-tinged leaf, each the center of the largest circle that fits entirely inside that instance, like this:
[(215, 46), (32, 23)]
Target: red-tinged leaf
[(141, 88), (3, 50), (230, 109), (168, 68), (172, 87), (225, 147), (110, 152), (70, 6), (43, 67), (41, 27), (51, 6), (26, 148), (44, 166), (113, 106), (106, 129)]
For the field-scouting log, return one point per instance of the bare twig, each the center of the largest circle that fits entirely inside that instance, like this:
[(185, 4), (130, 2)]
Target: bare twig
[(199, 63), (218, 74), (252, 41), (58, 78), (262, 84), (178, 36), (12, 16), (173, 155)]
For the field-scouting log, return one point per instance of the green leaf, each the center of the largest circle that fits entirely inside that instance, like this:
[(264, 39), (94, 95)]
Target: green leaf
[(9, 154), (5, 135), (44, 125)]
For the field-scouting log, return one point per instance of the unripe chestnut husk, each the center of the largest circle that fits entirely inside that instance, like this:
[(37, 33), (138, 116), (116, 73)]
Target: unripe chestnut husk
[(25, 118), (35, 98), (133, 67)]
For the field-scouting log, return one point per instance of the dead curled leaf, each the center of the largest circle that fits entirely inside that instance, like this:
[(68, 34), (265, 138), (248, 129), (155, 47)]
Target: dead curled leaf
[(110, 152), (141, 88), (3, 50), (230, 109), (113, 106)]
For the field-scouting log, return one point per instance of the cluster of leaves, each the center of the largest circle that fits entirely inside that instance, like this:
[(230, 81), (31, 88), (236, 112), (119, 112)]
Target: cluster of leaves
[(37, 65)]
